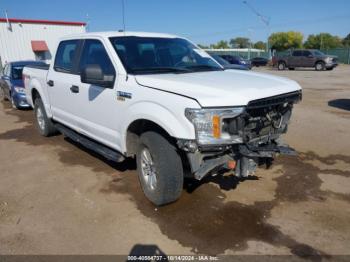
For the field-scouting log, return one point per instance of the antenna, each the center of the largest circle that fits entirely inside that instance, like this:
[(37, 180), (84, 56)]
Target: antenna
[(87, 27), (123, 11), (9, 27)]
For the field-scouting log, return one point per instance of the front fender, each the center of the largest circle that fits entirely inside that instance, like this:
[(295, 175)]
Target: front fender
[(173, 122)]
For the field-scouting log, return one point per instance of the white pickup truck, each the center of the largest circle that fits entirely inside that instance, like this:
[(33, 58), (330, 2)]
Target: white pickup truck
[(163, 100)]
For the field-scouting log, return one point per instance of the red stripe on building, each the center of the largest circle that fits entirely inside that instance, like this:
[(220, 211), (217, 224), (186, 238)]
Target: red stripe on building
[(46, 22)]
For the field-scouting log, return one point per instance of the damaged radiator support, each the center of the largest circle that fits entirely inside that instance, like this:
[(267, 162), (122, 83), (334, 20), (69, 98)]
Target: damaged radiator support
[(246, 158)]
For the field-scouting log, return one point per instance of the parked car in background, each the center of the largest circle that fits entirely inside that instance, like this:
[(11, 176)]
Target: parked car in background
[(306, 58), (259, 61), (237, 60), (11, 83), (164, 101), (227, 65)]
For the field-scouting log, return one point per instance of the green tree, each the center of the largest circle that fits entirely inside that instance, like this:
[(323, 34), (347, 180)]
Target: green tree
[(222, 44), (240, 42), (346, 41), (285, 40), (323, 41), (203, 46), (260, 45)]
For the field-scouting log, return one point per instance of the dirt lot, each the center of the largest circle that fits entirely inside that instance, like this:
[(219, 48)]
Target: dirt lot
[(57, 198)]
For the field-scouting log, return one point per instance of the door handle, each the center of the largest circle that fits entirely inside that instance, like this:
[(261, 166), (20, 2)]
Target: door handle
[(74, 89), (50, 83)]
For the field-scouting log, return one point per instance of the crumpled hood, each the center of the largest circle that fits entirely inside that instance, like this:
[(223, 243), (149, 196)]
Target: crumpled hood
[(221, 88)]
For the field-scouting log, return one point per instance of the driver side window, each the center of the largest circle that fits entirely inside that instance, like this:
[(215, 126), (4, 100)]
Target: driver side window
[(94, 53)]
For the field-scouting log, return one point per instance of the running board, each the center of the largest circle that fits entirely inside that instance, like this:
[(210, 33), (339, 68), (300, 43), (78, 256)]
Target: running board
[(88, 143)]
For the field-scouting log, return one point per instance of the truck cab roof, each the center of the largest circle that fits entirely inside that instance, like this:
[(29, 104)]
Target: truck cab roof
[(116, 34)]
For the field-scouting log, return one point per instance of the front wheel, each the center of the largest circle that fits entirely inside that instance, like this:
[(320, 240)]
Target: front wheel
[(13, 103), (44, 124), (319, 66), (159, 168)]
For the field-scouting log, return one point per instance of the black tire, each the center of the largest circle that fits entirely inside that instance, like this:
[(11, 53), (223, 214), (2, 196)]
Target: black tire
[(291, 68), (167, 167), (319, 66), (47, 128), (281, 66)]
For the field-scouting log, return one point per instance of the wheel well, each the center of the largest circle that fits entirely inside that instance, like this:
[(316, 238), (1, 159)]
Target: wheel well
[(319, 61), (137, 128), (35, 95)]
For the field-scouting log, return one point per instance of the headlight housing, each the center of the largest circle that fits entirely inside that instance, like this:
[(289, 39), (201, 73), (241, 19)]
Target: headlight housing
[(328, 59), (208, 124), (19, 89)]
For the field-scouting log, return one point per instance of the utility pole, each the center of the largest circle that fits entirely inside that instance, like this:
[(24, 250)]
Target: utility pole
[(264, 19)]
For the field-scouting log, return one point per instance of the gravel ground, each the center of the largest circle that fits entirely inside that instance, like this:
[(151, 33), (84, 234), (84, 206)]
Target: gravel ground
[(58, 198)]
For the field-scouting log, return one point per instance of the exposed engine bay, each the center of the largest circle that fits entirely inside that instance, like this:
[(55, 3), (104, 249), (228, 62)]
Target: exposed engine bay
[(259, 129)]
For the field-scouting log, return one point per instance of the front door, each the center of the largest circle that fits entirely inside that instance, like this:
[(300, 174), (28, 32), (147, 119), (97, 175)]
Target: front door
[(98, 111)]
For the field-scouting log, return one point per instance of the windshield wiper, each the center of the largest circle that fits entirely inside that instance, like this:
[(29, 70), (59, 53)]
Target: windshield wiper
[(204, 68), (160, 70)]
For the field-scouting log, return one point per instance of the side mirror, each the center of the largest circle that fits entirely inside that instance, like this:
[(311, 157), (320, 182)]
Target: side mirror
[(93, 74)]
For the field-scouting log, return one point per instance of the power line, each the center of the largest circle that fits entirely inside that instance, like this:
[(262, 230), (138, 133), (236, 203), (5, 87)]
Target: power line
[(288, 23)]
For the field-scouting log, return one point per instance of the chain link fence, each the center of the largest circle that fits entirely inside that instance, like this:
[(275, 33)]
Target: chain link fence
[(343, 54)]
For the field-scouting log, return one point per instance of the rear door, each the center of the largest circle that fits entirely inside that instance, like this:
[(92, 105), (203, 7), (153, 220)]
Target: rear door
[(61, 79), (295, 59)]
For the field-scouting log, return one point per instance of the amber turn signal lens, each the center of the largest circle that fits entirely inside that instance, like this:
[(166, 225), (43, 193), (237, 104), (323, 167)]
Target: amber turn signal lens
[(216, 127), (231, 164)]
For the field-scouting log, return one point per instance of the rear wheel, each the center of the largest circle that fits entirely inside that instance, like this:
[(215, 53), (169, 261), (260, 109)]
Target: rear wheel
[(44, 124), (159, 169), (281, 66), (319, 66)]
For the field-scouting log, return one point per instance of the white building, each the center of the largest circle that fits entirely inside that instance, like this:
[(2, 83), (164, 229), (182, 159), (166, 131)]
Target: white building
[(23, 39)]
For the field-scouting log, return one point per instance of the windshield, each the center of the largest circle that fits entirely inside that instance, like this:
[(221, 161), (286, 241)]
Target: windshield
[(318, 53), (220, 60), (17, 72), (154, 55)]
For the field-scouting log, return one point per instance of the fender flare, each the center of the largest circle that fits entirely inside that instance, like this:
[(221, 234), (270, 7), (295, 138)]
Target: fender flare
[(36, 86), (175, 125)]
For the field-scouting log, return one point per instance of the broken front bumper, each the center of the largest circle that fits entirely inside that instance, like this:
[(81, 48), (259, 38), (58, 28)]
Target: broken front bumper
[(246, 158)]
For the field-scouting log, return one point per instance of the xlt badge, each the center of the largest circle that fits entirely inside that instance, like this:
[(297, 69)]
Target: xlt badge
[(121, 96)]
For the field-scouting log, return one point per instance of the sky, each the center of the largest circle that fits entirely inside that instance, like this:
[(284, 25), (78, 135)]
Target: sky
[(203, 21)]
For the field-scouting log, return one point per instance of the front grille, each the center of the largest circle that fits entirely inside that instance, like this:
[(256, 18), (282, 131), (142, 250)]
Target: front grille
[(275, 100)]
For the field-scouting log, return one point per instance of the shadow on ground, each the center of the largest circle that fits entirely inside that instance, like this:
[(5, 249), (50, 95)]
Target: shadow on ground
[(340, 104)]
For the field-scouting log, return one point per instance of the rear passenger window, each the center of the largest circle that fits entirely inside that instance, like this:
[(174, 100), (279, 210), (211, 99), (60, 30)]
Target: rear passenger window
[(65, 55), (94, 53), (297, 53), (307, 53)]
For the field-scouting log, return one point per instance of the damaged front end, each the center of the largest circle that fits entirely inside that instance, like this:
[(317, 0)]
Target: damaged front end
[(239, 138)]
